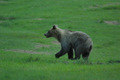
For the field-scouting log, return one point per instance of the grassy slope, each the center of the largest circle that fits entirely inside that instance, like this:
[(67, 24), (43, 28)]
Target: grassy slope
[(23, 23)]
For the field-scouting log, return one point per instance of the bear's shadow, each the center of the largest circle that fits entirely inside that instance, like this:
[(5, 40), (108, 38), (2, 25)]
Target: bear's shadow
[(114, 61), (110, 62)]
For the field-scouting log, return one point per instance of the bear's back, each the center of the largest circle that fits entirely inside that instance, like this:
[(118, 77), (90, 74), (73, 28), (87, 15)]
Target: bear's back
[(80, 38), (79, 35)]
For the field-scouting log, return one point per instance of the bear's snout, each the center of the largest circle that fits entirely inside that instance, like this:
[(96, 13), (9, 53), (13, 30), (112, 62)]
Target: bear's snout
[(45, 35)]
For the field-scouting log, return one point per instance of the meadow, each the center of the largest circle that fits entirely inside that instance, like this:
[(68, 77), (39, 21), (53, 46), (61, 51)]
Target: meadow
[(26, 54)]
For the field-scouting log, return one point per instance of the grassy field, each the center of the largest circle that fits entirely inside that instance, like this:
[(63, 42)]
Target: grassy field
[(26, 54)]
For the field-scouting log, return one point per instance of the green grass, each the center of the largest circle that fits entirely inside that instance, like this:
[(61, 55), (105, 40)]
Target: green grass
[(22, 27)]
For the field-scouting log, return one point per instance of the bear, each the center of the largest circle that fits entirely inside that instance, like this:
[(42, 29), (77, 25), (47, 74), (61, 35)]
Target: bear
[(78, 41)]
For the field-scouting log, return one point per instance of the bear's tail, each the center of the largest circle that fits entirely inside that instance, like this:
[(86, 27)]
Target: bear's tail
[(90, 48)]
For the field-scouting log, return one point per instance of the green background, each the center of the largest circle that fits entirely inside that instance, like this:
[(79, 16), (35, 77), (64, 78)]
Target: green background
[(26, 54)]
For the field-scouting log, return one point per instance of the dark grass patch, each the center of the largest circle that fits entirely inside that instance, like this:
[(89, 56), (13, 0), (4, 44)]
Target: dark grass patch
[(7, 18), (106, 44), (100, 21), (109, 6), (114, 61), (109, 62), (103, 63), (112, 8), (32, 59)]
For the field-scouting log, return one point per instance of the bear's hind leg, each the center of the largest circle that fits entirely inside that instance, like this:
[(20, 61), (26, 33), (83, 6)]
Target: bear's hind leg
[(77, 53), (86, 53), (70, 53), (85, 56)]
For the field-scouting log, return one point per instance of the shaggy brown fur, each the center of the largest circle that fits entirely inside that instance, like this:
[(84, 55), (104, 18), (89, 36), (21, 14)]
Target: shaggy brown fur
[(79, 41)]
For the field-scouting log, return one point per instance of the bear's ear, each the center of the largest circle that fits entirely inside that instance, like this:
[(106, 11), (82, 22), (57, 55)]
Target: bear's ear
[(54, 26)]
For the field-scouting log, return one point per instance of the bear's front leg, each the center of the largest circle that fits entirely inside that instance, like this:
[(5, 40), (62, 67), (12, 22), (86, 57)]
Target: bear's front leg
[(57, 55), (70, 53), (60, 53)]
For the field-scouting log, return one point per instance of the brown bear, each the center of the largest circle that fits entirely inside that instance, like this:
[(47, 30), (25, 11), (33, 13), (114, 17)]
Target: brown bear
[(78, 41)]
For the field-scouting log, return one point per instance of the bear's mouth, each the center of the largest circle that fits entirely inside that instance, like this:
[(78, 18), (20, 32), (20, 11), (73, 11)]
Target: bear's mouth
[(47, 36)]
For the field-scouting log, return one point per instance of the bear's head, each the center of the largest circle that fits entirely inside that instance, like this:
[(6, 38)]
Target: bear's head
[(52, 32)]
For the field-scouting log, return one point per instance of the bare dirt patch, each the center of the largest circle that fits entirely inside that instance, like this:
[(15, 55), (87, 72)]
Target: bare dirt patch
[(1, 21), (26, 51), (2, 1), (38, 45), (56, 42), (106, 6), (33, 51), (38, 19), (109, 22), (112, 22)]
